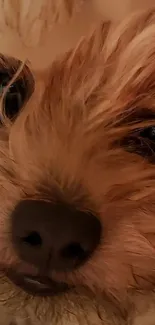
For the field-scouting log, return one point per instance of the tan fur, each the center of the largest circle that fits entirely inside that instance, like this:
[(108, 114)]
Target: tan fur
[(37, 29), (66, 143)]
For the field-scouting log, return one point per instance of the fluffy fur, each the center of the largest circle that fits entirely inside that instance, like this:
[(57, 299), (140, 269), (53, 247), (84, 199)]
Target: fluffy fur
[(70, 147), (41, 30)]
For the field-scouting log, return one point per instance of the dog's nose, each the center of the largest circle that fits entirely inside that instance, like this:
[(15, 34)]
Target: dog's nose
[(56, 237)]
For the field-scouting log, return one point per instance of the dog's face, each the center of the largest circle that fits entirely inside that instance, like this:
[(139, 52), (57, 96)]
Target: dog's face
[(77, 178)]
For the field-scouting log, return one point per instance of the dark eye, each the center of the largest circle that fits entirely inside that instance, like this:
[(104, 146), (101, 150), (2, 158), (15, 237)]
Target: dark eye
[(148, 133), (142, 142), (17, 94)]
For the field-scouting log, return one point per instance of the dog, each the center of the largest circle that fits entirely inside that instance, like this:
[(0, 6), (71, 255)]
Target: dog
[(42, 30), (77, 181)]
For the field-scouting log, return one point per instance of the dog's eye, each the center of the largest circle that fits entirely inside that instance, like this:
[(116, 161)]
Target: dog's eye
[(15, 96), (142, 142), (148, 133)]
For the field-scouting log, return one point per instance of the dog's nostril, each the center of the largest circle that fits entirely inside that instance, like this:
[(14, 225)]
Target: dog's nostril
[(73, 251), (33, 239)]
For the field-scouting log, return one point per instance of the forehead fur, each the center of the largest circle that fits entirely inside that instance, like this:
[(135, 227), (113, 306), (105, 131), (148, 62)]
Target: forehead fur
[(91, 92)]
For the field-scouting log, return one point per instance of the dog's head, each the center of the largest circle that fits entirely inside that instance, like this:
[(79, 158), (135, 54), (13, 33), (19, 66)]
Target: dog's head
[(77, 176)]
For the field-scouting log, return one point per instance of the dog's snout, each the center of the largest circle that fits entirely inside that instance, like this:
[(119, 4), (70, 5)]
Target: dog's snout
[(56, 237)]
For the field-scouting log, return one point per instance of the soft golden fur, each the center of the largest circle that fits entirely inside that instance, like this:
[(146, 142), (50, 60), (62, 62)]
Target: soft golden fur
[(41, 30), (70, 146)]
